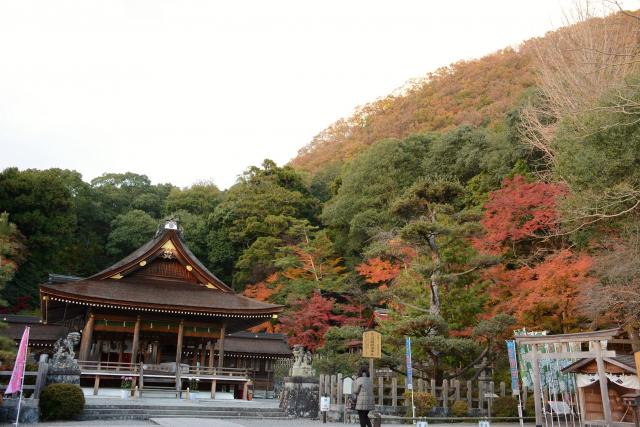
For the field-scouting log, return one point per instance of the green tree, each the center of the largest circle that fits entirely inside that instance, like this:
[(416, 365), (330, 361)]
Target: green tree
[(199, 199), (43, 205), (129, 231), (368, 185), (12, 253)]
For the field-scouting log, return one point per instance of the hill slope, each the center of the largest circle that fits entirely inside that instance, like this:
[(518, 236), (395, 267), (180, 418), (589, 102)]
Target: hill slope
[(468, 92)]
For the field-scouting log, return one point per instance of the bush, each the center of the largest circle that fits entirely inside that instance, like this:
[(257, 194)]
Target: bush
[(61, 402), (424, 402), (460, 408), (530, 407), (506, 406)]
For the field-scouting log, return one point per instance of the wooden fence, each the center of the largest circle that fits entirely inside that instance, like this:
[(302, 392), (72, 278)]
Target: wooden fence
[(34, 381), (390, 391)]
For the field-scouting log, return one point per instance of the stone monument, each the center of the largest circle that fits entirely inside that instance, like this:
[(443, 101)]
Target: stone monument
[(301, 396), (63, 367)]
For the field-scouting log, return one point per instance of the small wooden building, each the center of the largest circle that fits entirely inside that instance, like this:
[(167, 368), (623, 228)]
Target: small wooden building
[(156, 315), (621, 379)]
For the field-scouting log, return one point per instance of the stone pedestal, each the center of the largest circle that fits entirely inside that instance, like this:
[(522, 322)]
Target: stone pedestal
[(63, 376), (29, 412), (301, 397)]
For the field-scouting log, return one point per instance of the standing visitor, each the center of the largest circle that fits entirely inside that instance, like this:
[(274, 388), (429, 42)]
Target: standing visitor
[(363, 390)]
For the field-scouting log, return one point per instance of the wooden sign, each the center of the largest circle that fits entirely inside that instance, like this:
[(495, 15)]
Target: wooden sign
[(372, 345)]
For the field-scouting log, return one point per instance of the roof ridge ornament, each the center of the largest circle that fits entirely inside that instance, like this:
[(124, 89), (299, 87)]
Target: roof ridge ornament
[(169, 224)]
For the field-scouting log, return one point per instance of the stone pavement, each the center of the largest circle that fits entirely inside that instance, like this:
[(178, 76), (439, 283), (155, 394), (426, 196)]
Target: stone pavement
[(202, 422)]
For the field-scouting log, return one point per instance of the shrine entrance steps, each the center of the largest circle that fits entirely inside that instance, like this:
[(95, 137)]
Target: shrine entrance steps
[(144, 409)]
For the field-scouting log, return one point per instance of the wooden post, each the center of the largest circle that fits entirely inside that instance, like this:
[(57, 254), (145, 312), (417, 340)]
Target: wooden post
[(445, 394), (179, 356), (245, 390), (141, 380), (41, 379), (332, 390), (96, 385), (339, 400), (221, 345), (213, 388), (136, 342), (211, 348), (537, 396), (87, 334), (604, 388), (394, 391), (372, 371), (469, 394), (380, 391)]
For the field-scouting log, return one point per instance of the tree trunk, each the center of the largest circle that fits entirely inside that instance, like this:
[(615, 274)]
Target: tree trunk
[(434, 308)]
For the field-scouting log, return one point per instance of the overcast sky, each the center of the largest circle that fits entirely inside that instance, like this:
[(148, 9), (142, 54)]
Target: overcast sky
[(184, 91)]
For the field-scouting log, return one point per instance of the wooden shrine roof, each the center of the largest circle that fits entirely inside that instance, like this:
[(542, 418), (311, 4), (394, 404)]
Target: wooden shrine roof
[(256, 343), (163, 275), (163, 295), (624, 362)]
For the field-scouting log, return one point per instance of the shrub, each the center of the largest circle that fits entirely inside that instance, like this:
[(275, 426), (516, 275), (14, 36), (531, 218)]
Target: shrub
[(460, 408), (424, 402), (530, 407), (61, 402), (506, 406)]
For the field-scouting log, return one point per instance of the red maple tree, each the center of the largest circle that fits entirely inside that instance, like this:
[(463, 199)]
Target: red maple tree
[(550, 289), (309, 319), (517, 211)]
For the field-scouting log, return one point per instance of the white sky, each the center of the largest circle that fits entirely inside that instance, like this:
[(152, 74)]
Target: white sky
[(199, 90)]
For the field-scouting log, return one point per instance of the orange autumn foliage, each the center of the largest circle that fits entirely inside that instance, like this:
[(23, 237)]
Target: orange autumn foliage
[(377, 270), (549, 289), (262, 291), (466, 92)]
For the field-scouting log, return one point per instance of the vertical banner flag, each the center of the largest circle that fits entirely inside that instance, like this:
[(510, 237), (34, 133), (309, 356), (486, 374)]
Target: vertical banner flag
[(15, 384), (513, 366), (409, 367)]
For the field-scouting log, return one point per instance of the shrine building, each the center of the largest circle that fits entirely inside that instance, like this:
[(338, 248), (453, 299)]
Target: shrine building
[(160, 317)]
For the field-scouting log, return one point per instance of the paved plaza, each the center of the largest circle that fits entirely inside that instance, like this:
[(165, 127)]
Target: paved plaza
[(204, 422)]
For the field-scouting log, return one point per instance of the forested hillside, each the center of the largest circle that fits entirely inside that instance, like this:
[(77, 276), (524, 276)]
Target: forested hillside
[(499, 194)]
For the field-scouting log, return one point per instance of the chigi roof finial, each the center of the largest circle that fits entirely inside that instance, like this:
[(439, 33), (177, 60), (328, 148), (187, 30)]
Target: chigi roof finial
[(169, 224)]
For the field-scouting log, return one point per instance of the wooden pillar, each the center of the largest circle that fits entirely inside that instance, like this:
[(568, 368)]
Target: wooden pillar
[(245, 390), (537, 395), (203, 351), (179, 356), (96, 384), (213, 389), (179, 344), (87, 334), (136, 342), (221, 345), (211, 348), (604, 388)]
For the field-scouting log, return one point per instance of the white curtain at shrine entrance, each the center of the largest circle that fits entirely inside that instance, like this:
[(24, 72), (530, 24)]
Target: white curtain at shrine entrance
[(623, 380)]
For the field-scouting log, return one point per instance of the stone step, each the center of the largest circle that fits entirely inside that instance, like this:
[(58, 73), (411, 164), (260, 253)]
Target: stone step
[(163, 411), (181, 408), (146, 416)]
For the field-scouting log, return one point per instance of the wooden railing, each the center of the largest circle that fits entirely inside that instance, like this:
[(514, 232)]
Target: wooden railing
[(116, 368), (91, 366)]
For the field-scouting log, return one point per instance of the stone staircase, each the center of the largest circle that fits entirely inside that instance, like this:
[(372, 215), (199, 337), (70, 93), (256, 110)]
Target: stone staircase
[(144, 411)]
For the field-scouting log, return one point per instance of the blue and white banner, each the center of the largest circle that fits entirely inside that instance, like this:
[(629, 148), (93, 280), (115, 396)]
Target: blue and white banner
[(513, 366), (409, 367)]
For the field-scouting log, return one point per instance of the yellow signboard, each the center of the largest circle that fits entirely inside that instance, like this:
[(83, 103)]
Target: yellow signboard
[(372, 344)]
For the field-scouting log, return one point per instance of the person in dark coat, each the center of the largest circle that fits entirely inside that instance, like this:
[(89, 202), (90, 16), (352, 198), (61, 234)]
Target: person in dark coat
[(363, 391)]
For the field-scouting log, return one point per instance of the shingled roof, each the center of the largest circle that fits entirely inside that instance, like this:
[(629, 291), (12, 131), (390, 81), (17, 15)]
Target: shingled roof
[(161, 275)]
